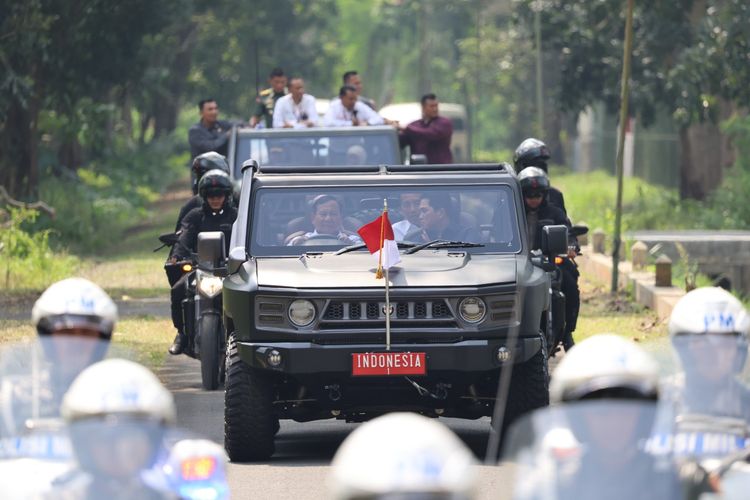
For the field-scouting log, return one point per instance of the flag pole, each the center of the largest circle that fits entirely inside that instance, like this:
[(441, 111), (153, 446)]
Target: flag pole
[(387, 289)]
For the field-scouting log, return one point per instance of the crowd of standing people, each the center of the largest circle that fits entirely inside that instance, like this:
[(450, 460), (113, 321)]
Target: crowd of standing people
[(285, 104)]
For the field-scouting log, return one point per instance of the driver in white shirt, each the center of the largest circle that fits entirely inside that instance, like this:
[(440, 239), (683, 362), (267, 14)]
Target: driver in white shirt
[(347, 111), (296, 109)]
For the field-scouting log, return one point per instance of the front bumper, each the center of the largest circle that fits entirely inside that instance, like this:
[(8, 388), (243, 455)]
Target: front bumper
[(468, 356)]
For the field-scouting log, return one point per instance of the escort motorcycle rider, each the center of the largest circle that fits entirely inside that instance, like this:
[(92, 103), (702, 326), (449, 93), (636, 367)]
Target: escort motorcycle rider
[(534, 153), (400, 456), (603, 398), (535, 186), (216, 214), (74, 319), (709, 330), (201, 164)]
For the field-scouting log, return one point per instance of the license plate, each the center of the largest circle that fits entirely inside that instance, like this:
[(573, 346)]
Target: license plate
[(389, 363)]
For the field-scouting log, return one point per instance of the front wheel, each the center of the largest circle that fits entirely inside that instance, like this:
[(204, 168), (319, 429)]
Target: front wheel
[(209, 330), (249, 420), (529, 387)]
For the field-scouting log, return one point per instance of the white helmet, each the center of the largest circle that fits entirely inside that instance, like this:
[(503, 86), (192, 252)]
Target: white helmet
[(74, 303), (402, 453), (118, 387), (604, 362), (709, 310)]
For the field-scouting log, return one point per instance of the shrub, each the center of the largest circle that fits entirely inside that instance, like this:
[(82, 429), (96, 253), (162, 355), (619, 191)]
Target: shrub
[(28, 262)]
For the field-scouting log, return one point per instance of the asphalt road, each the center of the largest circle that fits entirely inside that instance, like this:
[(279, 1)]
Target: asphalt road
[(299, 468)]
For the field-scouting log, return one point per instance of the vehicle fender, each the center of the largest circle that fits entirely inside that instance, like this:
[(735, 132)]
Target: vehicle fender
[(239, 299)]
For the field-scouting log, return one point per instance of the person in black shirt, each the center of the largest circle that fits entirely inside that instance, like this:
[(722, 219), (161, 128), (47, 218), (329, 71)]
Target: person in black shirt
[(438, 218), (210, 133), (216, 214), (540, 211)]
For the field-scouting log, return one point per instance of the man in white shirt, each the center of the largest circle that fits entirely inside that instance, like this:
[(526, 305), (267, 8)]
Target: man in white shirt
[(296, 109), (347, 111), (410, 224)]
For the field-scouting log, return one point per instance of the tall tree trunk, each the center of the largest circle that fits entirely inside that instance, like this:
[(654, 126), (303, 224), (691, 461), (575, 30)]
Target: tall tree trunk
[(18, 169), (706, 153), (166, 110)]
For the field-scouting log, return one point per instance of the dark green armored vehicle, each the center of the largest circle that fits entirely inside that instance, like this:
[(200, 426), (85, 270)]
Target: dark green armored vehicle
[(306, 316)]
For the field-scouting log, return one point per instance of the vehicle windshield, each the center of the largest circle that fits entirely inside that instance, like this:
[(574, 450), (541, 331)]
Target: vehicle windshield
[(293, 221), (318, 148)]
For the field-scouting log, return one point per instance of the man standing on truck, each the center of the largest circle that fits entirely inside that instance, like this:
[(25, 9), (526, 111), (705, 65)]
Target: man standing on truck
[(347, 111), (267, 99), (431, 135), (296, 109), (352, 79), (210, 133)]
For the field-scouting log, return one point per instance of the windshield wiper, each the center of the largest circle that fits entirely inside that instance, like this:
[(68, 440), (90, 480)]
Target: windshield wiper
[(359, 246), (443, 244)]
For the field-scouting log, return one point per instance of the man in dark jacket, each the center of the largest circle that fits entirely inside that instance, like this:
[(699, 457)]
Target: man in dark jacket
[(216, 214), (539, 211), (210, 133), (534, 153), (430, 136)]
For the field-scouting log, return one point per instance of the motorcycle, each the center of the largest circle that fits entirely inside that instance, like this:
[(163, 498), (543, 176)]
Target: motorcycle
[(705, 427), (38, 458), (202, 313), (589, 449), (553, 324)]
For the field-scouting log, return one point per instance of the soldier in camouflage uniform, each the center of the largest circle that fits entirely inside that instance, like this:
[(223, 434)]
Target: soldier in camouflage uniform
[(267, 99)]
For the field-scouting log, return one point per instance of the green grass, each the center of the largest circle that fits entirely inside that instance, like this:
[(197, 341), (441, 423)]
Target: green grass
[(144, 339), (602, 313)]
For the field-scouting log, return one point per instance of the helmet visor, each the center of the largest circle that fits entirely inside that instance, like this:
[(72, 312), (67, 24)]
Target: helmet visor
[(75, 324)]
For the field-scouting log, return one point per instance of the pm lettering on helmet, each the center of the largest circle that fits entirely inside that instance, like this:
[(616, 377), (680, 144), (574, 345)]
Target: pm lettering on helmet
[(720, 321)]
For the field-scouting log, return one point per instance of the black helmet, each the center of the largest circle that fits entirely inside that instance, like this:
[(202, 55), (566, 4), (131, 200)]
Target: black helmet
[(533, 180), (209, 161), (215, 183), (531, 153)]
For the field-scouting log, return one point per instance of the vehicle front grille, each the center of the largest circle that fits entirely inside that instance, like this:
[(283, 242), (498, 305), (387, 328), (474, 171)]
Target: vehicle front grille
[(403, 310)]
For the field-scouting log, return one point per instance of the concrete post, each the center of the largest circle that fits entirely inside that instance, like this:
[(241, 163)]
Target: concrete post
[(597, 240), (583, 240), (638, 255), (663, 271)]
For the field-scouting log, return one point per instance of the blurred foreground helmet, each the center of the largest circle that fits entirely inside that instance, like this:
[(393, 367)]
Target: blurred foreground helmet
[(605, 366), (118, 387), (531, 153), (215, 183), (74, 303), (209, 161), (533, 180), (401, 456), (709, 310)]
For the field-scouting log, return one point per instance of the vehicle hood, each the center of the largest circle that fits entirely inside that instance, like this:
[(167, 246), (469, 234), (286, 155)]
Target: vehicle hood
[(428, 268)]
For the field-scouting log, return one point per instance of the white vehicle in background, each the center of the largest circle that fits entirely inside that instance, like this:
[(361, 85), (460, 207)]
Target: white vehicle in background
[(408, 112)]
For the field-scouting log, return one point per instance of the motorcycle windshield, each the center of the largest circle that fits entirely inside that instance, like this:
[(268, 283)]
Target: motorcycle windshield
[(708, 397), (588, 450), (41, 455)]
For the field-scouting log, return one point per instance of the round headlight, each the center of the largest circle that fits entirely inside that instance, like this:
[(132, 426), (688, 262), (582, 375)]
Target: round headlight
[(472, 309), (301, 312)]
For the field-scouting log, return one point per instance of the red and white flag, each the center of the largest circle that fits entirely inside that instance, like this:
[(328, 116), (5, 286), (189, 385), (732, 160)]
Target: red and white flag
[(380, 241)]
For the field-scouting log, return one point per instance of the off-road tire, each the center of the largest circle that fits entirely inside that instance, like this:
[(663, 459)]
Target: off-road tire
[(249, 420), (529, 387), (210, 330)]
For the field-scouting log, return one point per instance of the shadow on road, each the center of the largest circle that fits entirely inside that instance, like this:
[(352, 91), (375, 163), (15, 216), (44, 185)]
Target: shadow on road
[(297, 444)]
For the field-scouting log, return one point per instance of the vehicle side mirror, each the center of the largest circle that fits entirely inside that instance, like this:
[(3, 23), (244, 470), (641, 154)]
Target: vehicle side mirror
[(211, 250), (418, 159), (237, 257), (554, 240)]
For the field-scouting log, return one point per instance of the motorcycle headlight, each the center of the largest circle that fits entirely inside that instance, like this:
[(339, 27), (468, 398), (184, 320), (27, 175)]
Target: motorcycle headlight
[(210, 286), (301, 312), (472, 309)]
